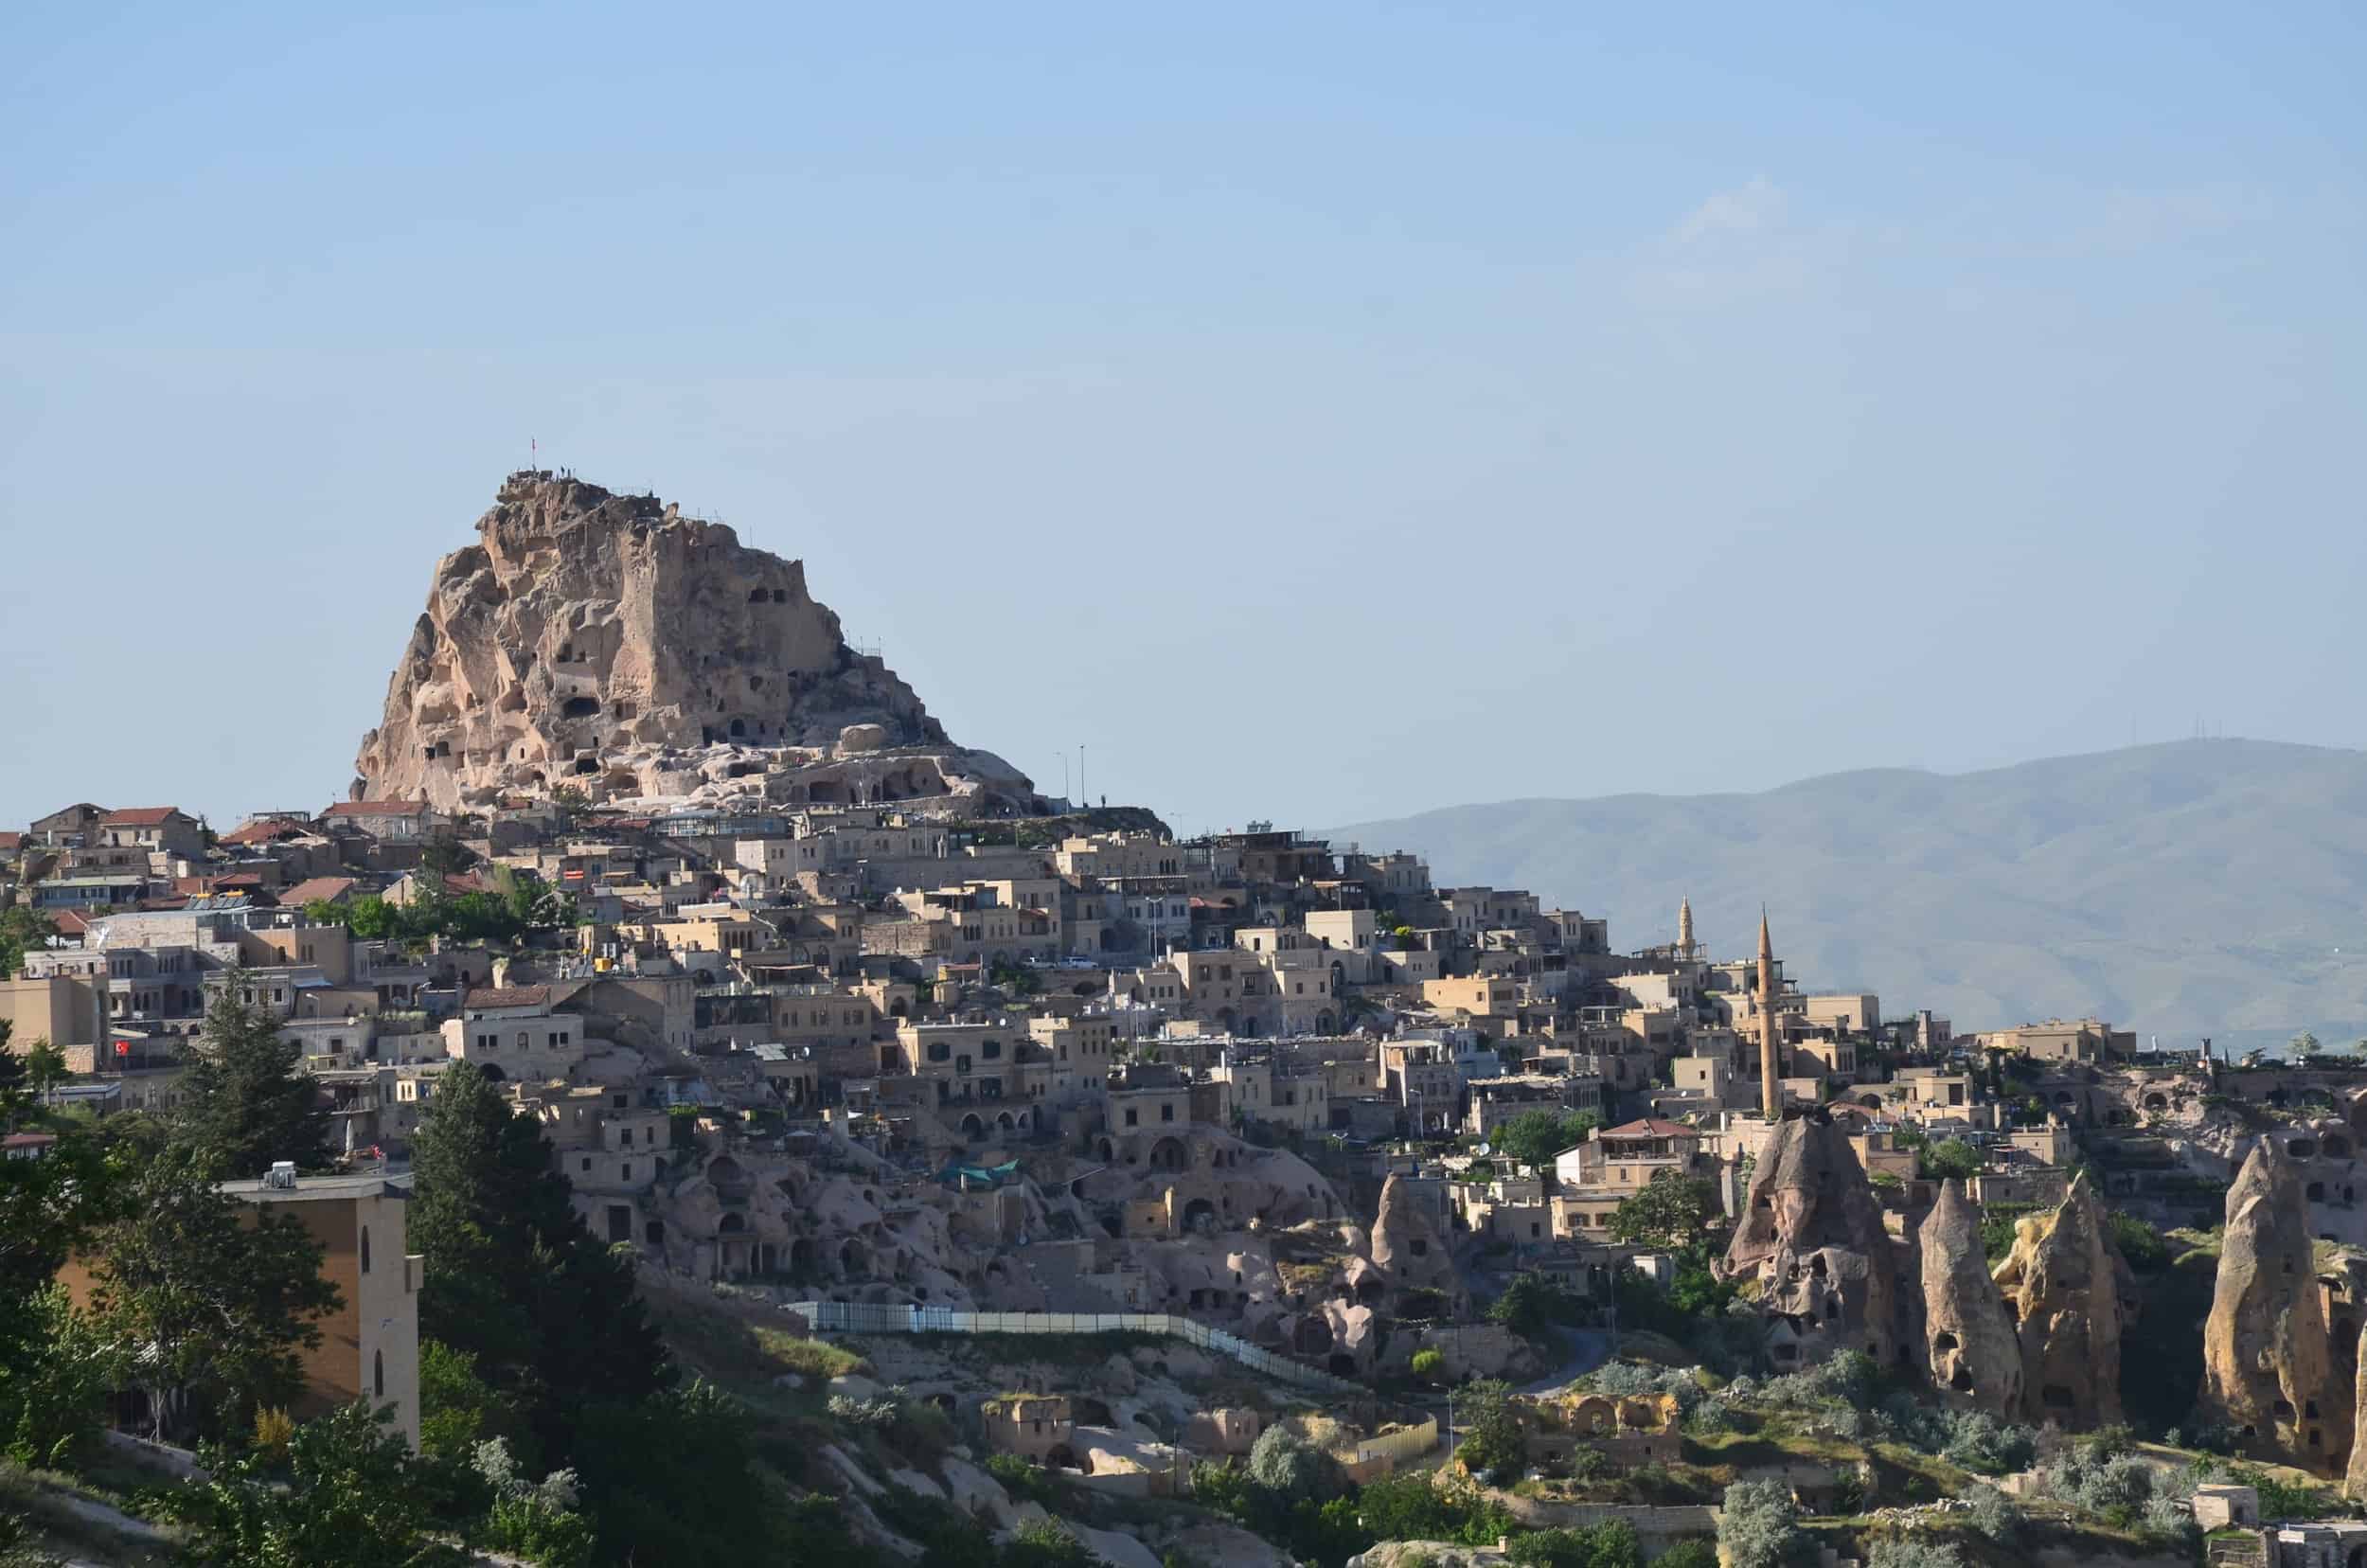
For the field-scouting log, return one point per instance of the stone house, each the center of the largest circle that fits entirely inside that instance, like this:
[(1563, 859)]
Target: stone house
[(1034, 1426), (388, 821), (147, 830)]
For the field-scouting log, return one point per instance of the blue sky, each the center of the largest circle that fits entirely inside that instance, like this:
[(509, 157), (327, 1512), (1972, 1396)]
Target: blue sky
[(1317, 412)]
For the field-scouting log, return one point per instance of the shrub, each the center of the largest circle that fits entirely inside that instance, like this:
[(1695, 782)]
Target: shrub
[(1426, 1362), (1611, 1544), (1912, 1552), (1491, 1441), (1760, 1528), (1996, 1515), (1692, 1551), (1287, 1467), (1029, 1483)]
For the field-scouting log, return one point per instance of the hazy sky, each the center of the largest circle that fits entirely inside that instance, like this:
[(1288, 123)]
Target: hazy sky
[(1317, 412)]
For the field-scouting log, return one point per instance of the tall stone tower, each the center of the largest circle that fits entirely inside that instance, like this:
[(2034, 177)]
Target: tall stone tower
[(1771, 1086), (1685, 948)]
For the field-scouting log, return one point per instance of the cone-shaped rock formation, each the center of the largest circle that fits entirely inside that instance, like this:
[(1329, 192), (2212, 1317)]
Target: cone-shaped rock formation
[(2062, 1285), (2268, 1361), (1811, 1234), (1407, 1245), (1971, 1345)]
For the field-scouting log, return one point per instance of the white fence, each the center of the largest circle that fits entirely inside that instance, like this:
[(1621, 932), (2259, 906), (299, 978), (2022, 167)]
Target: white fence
[(841, 1317)]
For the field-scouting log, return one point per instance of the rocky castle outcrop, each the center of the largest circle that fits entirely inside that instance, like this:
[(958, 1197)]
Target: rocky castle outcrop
[(2064, 1283), (611, 645), (2267, 1360), (1970, 1346), (1811, 1234)]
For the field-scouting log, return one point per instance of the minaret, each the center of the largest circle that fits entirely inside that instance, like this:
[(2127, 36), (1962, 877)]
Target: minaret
[(1684, 928), (1770, 1088)]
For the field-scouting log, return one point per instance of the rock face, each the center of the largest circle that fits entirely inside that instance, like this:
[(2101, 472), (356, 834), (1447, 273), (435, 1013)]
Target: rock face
[(2062, 1285), (1811, 1234), (1970, 1346), (1407, 1247), (2355, 1482), (609, 643), (2268, 1361)]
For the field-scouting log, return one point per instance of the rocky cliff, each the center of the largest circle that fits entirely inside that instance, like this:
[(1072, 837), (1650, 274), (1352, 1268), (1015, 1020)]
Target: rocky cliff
[(611, 645), (2268, 1359), (1408, 1248), (2064, 1283), (1970, 1346), (1811, 1234)]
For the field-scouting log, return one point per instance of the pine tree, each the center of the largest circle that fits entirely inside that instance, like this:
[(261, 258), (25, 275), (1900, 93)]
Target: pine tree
[(513, 1278), (248, 1103)]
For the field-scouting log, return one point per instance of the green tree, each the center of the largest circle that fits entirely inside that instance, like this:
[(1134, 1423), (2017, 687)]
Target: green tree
[(1950, 1157), (1670, 1210), (514, 1281), (353, 1496), (1427, 1363), (50, 1209), (457, 1409), (22, 929), (372, 918), (1284, 1465), (1611, 1544), (673, 1479), (246, 1101), (1534, 1137), (53, 1404), (44, 1067), (209, 1302), (1532, 1305), (1490, 1422), (1760, 1528), (1692, 1551)]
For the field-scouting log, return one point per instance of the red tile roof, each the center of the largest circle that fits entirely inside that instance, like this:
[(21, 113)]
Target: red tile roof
[(69, 922), (508, 996), (316, 887), (262, 832), (140, 816)]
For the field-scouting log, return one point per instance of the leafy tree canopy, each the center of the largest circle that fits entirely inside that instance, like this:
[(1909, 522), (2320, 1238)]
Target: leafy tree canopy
[(1671, 1210), (1534, 1137), (210, 1303)]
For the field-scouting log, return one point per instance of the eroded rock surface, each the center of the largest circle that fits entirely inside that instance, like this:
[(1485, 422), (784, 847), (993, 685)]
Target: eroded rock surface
[(610, 644), (1409, 1250), (2268, 1361), (1970, 1346), (2063, 1284), (1811, 1234)]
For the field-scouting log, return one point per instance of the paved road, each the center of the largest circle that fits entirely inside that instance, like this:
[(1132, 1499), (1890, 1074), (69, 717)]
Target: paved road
[(1589, 1349)]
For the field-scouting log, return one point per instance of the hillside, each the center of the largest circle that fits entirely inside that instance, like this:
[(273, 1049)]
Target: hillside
[(2206, 887)]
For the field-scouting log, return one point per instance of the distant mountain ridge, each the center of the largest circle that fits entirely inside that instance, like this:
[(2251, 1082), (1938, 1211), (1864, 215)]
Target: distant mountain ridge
[(2194, 887)]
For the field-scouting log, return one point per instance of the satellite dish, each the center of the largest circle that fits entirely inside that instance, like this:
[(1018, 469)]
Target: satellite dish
[(1485, 1149)]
